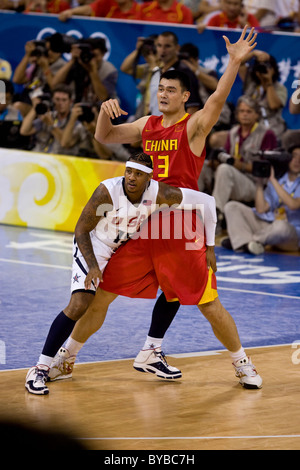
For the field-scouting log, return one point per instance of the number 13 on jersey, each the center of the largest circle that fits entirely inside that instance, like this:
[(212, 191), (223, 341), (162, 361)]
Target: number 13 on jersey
[(162, 165)]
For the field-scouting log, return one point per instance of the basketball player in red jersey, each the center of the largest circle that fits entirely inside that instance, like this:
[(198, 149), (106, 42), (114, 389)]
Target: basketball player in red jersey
[(176, 143)]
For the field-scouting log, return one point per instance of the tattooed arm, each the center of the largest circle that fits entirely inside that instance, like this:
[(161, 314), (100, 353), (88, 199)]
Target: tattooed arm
[(89, 218)]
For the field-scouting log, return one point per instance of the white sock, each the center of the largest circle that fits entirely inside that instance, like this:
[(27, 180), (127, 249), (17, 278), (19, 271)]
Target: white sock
[(238, 355), (44, 361), (152, 343), (73, 346)]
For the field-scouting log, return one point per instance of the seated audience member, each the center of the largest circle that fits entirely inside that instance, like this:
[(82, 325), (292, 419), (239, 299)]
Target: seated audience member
[(120, 9), (46, 6), (91, 77), (202, 9), (7, 110), (233, 15), (229, 173), (88, 146), (5, 70), (274, 221), (36, 70), (46, 126), (166, 11), (260, 76), (167, 54), (263, 10), (10, 119), (142, 72)]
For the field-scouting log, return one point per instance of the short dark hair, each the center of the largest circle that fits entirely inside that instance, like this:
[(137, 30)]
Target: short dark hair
[(142, 158), (179, 75), (63, 88), (165, 34)]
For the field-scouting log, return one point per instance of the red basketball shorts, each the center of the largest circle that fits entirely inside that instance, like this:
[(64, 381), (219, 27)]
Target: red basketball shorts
[(168, 252)]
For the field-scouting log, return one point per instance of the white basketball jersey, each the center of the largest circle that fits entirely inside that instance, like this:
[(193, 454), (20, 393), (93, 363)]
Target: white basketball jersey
[(125, 218)]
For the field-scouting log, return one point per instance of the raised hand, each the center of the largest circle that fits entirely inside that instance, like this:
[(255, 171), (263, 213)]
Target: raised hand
[(240, 49), (112, 108)]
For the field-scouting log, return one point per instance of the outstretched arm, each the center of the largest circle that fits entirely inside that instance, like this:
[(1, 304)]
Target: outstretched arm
[(209, 115)]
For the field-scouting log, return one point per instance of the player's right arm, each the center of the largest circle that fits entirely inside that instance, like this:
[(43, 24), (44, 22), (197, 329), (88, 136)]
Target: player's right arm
[(107, 133), (95, 208)]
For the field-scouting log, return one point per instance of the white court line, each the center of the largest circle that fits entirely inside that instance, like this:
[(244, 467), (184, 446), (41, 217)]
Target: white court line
[(245, 291), (30, 263), (267, 436)]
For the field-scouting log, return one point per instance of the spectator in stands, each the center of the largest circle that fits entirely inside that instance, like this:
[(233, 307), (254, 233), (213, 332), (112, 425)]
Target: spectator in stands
[(263, 10), (231, 167), (7, 110), (166, 11), (5, 70), (233, 15), (88, 146), (46, 126), (274, 221), (260, 75), (292, 136), (145, 48), (201, 9), (36, 70), (47, 6), (92, 78), (120, 9), (167, 53)]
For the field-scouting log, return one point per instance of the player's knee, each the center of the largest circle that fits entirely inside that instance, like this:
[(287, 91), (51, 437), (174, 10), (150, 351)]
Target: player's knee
[(78, 305)]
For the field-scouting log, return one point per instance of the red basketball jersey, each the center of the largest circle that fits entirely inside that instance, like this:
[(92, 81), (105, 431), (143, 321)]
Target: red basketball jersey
[(173, 161)]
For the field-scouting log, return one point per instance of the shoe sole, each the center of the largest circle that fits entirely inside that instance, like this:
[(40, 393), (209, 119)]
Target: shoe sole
[(36, 392), (158, 373), (60, 377)]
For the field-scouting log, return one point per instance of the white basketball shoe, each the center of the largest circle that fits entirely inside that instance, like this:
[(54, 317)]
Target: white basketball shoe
[(154, 361), (246, 372), (62, 366)]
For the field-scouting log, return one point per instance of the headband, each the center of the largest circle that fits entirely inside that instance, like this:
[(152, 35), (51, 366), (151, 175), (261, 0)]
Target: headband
[(138, 166)]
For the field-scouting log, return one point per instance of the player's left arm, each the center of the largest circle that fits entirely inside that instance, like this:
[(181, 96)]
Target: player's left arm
[(189, 199)]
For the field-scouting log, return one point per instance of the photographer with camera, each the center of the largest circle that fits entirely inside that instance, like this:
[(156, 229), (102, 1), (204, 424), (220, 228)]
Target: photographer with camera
[(36, 70), (260, 75), (275, 219), (46, 125), (142, 72), (231, 168), (91, 77), (86, 115)]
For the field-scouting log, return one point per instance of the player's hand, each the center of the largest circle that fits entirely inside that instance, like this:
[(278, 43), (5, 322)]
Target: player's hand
[(211, 258), (94, 276), (112, 108), (240, 49)]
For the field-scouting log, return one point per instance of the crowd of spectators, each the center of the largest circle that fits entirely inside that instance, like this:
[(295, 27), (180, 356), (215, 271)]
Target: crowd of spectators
[(58, 105)]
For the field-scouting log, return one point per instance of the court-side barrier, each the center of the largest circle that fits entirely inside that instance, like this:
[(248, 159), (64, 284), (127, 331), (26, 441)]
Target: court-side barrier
[(48, 191)]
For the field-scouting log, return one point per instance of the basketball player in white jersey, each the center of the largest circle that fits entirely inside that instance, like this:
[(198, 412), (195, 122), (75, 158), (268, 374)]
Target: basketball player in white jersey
[(114, 213)]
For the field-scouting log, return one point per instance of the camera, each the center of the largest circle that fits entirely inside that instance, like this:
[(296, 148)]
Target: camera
[(87, 113), (279, 159), (86, 53), (222, 156), (40, 49), (148, 46), (261, 67), (44, 106)]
